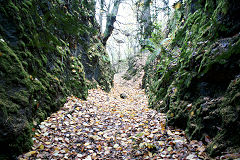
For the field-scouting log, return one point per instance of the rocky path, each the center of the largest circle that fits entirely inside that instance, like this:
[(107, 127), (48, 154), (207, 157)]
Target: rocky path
[(109, 127)]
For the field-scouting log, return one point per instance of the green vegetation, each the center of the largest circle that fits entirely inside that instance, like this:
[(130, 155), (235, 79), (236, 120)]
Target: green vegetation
[(51, 49), (194, 76), (42, 47)]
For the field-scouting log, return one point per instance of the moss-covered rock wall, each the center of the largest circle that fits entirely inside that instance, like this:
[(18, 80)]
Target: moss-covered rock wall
[(46, 54), (195, 79)]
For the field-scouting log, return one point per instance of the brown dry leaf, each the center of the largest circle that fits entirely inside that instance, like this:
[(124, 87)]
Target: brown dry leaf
[(31, 153), (214, 146), (161, 143), (207, 139), (169, 149), (107, 127), (150, 154), (47, 143), (99, 147), (41, 147), (192, 113)]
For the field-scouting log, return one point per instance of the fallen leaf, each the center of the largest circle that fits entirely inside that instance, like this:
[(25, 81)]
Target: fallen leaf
[(116, 146), (31, 153), (192, 113), (41, 147), (47, 143), (214, 146), (99, 148), (169, 149)]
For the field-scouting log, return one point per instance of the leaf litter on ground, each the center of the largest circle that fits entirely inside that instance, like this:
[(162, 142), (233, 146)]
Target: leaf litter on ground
[(108, 127)]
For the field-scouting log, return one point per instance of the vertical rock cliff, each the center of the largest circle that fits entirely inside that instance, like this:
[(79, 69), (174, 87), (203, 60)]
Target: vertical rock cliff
[(49, 49), (196, 78)]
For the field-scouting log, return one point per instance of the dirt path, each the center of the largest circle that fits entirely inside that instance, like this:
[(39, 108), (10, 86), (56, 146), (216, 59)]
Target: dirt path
[(108, 127)]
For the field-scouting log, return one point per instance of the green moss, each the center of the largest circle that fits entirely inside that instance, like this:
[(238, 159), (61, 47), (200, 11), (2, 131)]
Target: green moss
[(209, 6), (214, 147), (23, 142), (10, 106), (204, 77), (234, 49), (40, 72), (3, 109), (41, 115), (13, 6)]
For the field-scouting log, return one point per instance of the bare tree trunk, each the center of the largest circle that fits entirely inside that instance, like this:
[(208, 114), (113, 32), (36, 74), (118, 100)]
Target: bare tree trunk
[(101, 14), (111, 18), (146, 19)]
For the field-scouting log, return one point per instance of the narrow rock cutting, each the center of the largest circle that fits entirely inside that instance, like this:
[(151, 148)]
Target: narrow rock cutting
[(105, 126)]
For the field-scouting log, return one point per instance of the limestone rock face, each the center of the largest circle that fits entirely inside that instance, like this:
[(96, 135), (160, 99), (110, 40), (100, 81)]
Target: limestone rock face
[(200, 88), (42, 48)]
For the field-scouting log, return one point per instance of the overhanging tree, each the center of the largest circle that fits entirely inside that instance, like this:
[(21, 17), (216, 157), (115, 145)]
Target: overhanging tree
[(144, 20), (111, 18), (109, 10)]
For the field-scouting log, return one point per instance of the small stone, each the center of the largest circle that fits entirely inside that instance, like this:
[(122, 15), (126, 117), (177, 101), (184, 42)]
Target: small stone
[(123, 95)]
